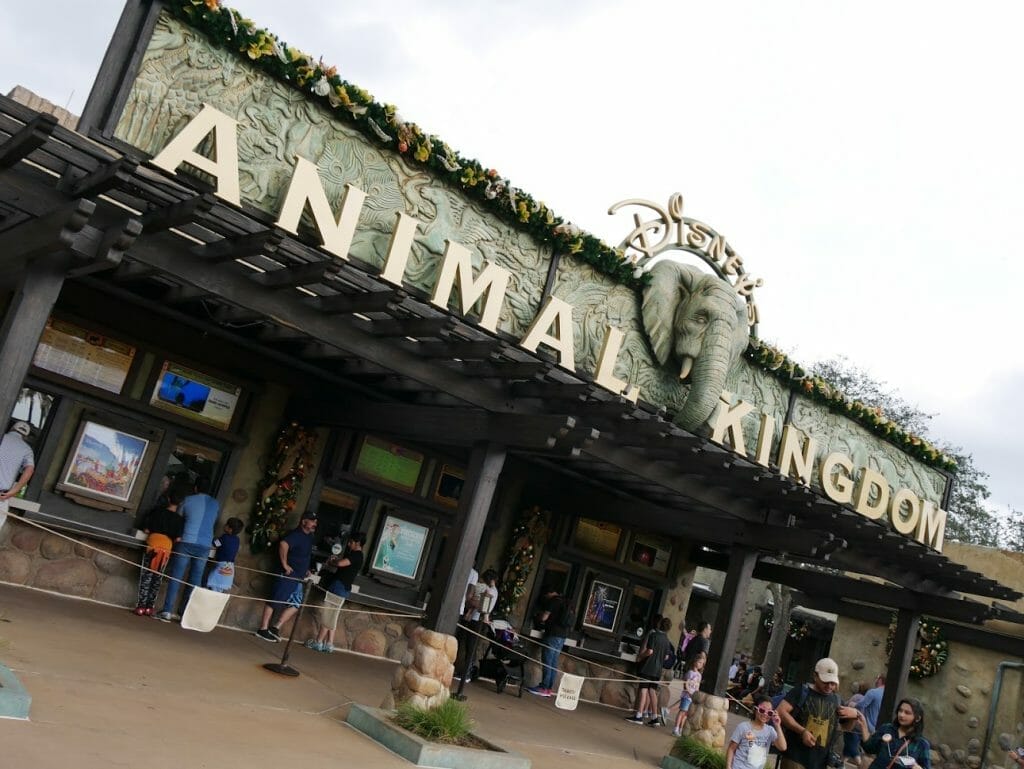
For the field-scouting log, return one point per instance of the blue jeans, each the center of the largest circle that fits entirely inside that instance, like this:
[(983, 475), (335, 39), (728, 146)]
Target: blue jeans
[(549, 656), (187, 556)]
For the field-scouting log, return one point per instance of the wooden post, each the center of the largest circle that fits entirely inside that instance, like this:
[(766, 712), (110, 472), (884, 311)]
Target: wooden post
[(726, 629), (456, 560), (907, 623), (23, 324)]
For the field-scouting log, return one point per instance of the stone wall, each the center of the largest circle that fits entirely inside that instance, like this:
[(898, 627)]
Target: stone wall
[(425, 676)]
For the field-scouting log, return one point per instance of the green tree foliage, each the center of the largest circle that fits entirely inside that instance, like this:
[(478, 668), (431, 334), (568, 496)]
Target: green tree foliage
[(970, 519)]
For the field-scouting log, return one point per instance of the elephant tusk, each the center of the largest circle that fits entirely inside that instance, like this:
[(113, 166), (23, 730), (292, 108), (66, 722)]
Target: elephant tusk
[(684, 371)]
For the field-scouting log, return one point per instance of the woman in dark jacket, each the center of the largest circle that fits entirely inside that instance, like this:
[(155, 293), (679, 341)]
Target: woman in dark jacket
[(900, 743)]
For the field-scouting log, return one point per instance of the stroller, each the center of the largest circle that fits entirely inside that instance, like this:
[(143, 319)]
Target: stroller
[(504, 659)]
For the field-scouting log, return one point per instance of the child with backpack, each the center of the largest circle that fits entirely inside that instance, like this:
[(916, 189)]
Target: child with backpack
[(691, 684)]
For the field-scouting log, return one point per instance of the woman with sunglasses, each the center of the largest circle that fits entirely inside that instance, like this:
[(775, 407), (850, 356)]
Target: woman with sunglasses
[(901, 743), (750, 741)]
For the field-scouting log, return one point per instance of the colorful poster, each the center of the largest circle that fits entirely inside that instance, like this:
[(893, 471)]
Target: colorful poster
[(400, 548), (105, 463), (602, 606)]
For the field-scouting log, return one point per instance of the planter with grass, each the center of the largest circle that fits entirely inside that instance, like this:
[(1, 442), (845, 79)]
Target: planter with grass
[(688, 753), (440, 736)]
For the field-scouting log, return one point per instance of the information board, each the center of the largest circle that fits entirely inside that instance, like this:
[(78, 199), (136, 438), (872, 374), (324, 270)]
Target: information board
[(83, 355)]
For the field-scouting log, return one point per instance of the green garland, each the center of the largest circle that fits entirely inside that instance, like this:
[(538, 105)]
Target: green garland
[(277, 494), (530, 533), (931, 655), (791, 374), (798, 631), (383, 126)]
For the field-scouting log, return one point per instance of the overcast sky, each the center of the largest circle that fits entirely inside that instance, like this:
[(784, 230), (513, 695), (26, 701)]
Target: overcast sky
[(864, 158)]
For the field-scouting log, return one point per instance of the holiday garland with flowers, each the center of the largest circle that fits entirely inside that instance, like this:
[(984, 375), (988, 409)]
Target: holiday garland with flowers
[(528, 536), (278, 490), (798, 631), (382, 124), (931, 655)]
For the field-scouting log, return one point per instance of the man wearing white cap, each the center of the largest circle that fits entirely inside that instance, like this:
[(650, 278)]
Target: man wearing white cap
[(810, 714), (16, 463)]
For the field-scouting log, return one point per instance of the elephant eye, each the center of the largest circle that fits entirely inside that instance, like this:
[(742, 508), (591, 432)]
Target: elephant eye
[(702, 318)]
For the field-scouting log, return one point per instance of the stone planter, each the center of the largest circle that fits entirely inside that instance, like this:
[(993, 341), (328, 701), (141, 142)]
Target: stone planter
[(378, 726)]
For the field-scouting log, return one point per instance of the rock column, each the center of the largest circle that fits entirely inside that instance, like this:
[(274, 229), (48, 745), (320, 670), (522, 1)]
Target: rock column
[(425, 676), (707, 720)]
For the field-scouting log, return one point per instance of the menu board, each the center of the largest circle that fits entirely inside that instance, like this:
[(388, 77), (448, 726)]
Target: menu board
[(83, 355), (597, 537), (389, 463), (195, 395)]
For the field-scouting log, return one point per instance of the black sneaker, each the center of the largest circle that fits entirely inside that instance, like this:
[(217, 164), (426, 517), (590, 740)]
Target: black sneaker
[(653, 722), (266, 635), (635, 719), (274, 632)]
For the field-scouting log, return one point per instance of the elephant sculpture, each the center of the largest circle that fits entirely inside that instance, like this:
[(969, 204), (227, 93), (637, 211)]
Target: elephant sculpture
[(696, 320)]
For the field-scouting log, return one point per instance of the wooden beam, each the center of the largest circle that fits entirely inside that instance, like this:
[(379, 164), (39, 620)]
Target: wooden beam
[(183, 295), (502, 369), (463, 349), (305, 274), (411, 327), (26, 140), (548, 391), (177, 214), (345, 304), (262, 243), (116, 173), (113, 243), (48, 234)]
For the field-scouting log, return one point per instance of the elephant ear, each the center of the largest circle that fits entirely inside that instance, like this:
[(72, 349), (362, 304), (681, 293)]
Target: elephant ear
[(671, 282)]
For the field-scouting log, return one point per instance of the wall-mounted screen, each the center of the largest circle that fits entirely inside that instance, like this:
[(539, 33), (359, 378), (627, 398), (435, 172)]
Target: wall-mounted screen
[(195, 395), (449, 486), (389, 463), (650, 552)]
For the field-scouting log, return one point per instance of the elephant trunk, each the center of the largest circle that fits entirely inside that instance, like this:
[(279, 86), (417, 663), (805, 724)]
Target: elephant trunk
[(709, 373)]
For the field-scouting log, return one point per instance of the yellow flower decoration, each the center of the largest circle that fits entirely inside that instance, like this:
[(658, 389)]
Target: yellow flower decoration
[(524, 212), (422, 153), (263, 46)]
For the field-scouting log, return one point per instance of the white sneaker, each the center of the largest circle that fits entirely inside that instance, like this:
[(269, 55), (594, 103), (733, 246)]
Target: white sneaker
[(677, 732)]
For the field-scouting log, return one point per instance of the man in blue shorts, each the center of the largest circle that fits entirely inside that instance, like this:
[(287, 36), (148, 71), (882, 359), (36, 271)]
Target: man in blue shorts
[(294, 551)]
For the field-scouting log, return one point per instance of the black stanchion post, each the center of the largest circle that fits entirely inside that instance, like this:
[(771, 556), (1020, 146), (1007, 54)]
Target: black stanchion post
[(470, 655), (282, 667)]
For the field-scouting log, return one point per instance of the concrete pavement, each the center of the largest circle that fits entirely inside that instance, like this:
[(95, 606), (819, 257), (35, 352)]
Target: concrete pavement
[(114, 690)]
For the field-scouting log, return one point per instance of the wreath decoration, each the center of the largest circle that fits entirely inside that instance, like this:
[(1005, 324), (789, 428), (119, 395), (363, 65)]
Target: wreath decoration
[(931, 653), (529, 535), (798, 631), (278, 490)]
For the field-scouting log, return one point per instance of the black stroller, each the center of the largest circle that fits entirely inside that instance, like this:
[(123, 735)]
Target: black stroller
[(504, 659)]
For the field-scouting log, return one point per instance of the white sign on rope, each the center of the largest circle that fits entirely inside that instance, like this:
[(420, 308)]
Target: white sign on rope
[(569, 692)]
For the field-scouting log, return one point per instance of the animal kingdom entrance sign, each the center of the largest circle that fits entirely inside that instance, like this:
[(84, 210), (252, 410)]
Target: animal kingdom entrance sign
[(705, 334)]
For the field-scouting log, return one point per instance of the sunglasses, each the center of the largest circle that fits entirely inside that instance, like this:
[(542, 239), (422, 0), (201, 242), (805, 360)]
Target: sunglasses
[(767, 711)]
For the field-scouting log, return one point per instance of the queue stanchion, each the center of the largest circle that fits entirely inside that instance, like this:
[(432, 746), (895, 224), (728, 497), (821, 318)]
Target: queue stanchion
[(282, 667)]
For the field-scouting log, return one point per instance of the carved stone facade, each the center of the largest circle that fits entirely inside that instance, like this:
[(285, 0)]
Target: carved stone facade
[(181, 71)]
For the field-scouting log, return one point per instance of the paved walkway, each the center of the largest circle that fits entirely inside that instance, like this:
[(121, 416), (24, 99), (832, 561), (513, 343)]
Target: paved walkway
[(113, 690)]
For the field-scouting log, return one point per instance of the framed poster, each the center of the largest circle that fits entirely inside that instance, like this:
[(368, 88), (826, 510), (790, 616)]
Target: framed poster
[(105, 465), (400, 548), (195, 395), (602, 607)]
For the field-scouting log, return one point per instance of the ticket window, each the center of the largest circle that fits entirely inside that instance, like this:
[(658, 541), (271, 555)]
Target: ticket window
[(335, 512), (187, 462)]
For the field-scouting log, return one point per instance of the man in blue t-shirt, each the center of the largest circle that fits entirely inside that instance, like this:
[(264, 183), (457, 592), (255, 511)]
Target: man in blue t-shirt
[(191, 552), (870, 704), (294, 552)]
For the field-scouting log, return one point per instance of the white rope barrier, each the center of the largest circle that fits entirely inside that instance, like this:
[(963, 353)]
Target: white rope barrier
[(232, 596)]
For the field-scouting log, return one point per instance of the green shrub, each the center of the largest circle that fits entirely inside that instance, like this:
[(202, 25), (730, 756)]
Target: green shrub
[(698, 754), (449, 722)]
